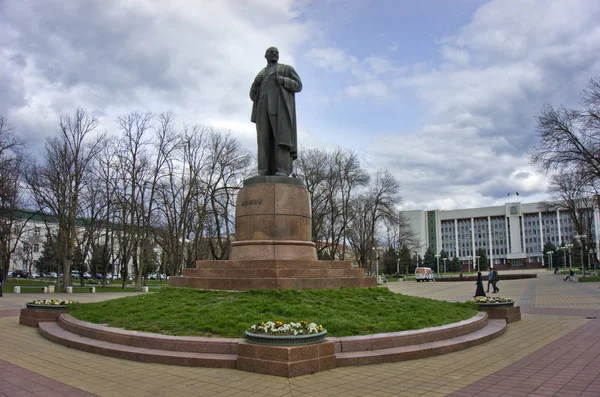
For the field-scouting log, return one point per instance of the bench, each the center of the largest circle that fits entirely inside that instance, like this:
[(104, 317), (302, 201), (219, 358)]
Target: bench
[(91, 289), (45, 289)]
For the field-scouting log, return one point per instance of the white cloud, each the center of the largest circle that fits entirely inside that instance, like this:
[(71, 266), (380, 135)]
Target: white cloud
[(198, 59), (370, 76), (373, 88), (331, 59), (481, 100)]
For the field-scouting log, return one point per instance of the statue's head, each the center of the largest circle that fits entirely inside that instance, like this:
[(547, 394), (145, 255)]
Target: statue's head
[(272, 54)]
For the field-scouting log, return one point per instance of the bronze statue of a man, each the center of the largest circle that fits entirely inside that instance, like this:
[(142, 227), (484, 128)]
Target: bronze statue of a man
[(274, 112)]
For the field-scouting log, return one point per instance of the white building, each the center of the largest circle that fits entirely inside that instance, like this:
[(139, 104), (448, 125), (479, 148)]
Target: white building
[(32, 238), (514, 233)]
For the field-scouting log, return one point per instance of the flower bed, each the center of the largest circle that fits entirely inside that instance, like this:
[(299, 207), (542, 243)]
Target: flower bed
[(281, 328), (41, 310), (285, 334), (50, 302), (493, 301)]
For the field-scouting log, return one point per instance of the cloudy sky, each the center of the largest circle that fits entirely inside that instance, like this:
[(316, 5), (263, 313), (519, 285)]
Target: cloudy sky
[(441, 93)]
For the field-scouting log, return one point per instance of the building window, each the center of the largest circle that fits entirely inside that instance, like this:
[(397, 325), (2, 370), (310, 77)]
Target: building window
[(36, 248), (36, 231)]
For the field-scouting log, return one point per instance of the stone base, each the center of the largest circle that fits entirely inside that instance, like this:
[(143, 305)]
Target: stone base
[(273, 221), (32, 317), (237, 275), (286, 361), (510, 314)]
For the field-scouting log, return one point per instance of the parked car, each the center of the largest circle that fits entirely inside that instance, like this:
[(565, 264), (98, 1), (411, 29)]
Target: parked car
[(10, 273), (33, 275), (424, 274), (87, 276), (19, 274), (53, 275)]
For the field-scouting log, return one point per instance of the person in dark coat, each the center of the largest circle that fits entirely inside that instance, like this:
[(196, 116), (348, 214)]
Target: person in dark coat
[(479, 291), (570, 276), (495, 279), (1, 280), (490, 277)]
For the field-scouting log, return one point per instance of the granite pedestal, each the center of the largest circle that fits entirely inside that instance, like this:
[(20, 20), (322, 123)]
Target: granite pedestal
[(273, 247)]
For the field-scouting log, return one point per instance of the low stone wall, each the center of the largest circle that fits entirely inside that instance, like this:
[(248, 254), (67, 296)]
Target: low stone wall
[(32, 317), (510, 314), (286, 361), (474, 278)]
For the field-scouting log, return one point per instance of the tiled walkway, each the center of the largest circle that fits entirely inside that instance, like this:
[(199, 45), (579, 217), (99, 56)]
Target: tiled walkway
[(19, 382), (553, 351), (570, 366)]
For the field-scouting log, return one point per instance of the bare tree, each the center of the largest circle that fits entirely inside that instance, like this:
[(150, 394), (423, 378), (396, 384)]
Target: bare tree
[(569, 140), (312, 167), (349, 176), (571, 193), (228, 165), (370, 211), (143, 165), (332, 180), (57, 184), (11, 199)]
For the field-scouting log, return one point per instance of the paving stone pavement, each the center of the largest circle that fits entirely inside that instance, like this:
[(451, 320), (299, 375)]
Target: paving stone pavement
[(553, 351)]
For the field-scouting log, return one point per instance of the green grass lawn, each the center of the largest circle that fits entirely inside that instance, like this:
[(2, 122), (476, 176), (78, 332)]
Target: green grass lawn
[(343, 312), (588, 279)]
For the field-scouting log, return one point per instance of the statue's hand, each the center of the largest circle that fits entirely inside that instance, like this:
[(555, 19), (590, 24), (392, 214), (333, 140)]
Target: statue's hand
[(280, 80)]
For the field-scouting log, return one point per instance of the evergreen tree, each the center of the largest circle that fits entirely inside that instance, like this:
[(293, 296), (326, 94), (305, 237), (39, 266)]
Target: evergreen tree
[(455, 265), (576, 254), (549, 247), (429, 260), (483, 259), (405, 260), (389, 261), (48, 261)]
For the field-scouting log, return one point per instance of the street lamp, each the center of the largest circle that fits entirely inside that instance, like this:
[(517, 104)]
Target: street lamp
[(570, 256), (437, 257), (397, 264), (565, 248), (581, 237), (376, 263), (444, 259), (477, 257), (549, 259)]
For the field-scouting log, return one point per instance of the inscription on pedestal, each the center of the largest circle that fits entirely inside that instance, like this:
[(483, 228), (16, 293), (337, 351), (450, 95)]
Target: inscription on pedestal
[(247, 203)]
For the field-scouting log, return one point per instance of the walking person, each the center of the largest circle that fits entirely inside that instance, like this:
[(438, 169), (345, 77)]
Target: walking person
[(479, 290), (495, 279), (490, 277)]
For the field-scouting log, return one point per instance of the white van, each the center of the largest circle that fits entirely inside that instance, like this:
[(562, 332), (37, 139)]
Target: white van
[(424, 274)]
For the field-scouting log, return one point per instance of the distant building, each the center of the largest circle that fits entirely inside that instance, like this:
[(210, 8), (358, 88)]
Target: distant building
[(35, 228), (514, 233)]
